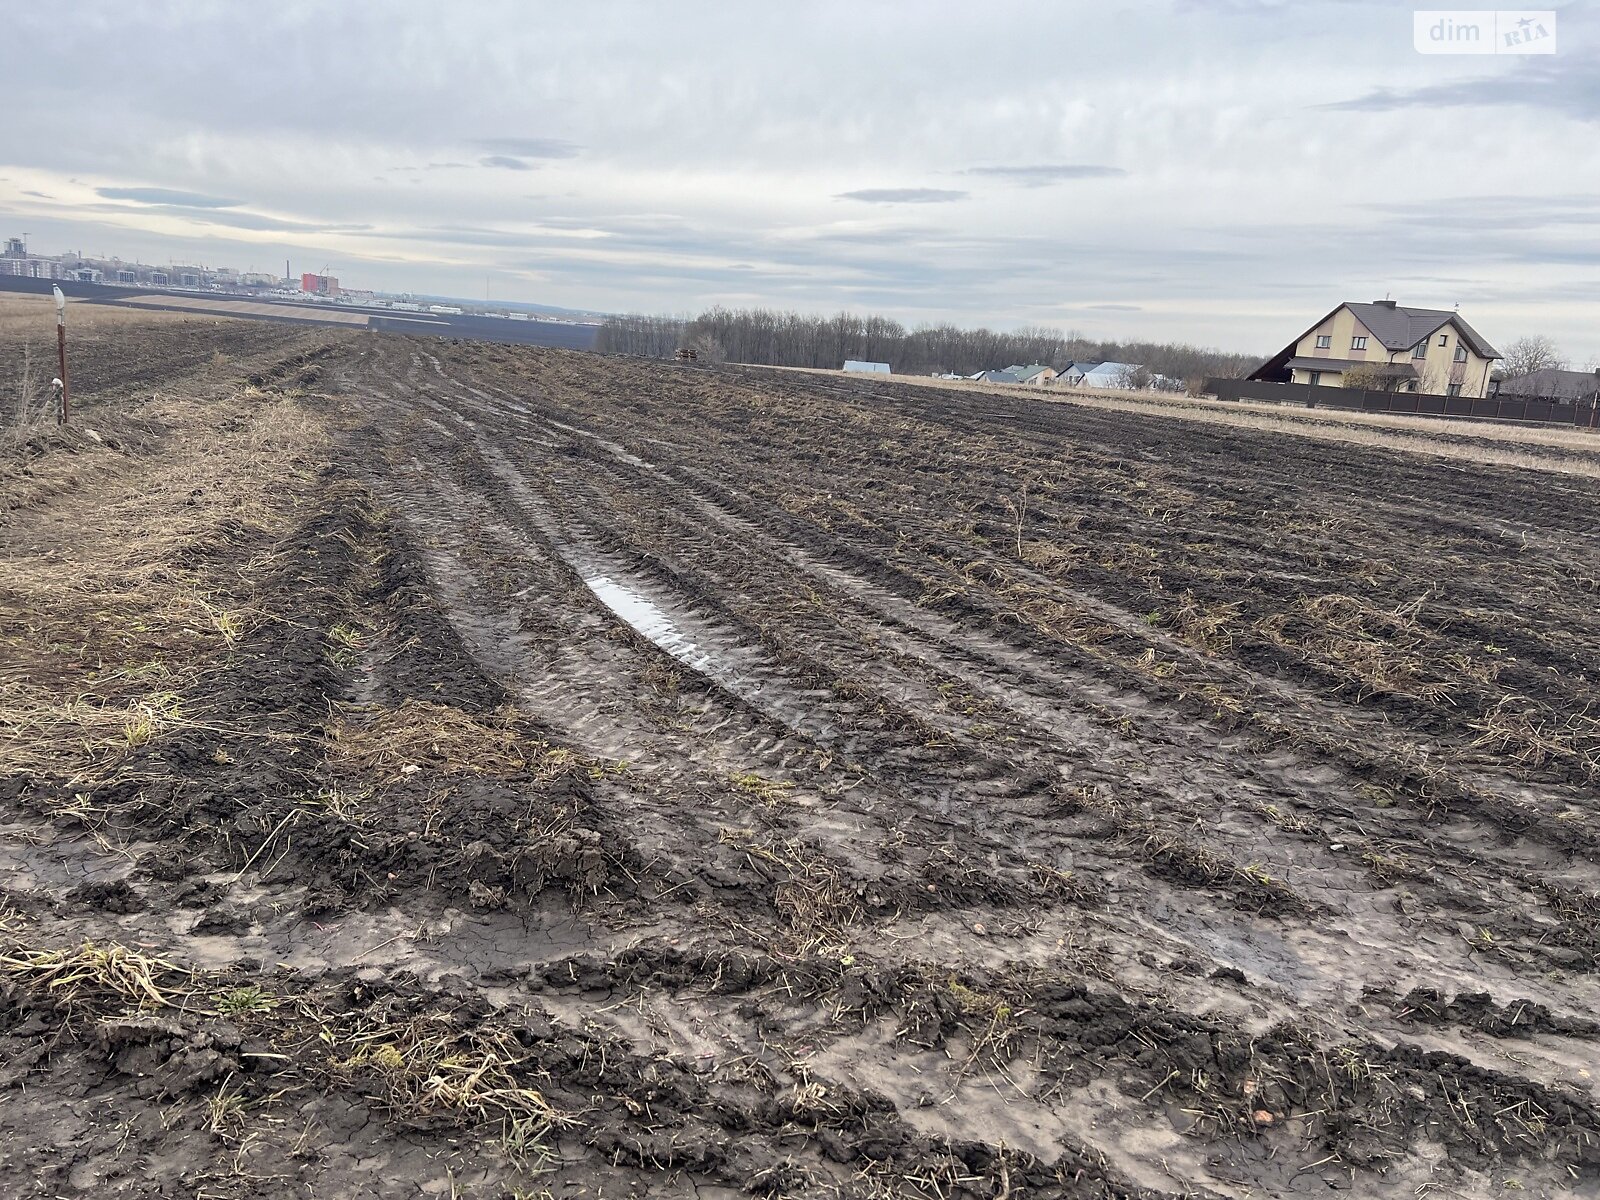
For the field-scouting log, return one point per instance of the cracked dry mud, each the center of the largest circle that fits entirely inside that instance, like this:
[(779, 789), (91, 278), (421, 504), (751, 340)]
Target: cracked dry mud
[(524, 773)]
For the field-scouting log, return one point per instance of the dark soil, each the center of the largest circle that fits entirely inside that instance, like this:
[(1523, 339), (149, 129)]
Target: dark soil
[(647, 779)]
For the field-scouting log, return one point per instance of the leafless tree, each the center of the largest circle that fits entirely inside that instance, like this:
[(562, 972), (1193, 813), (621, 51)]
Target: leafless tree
[(25, 388), (636, 333), (1376, 377), (1529, 354), (707, 349), (790, 339)]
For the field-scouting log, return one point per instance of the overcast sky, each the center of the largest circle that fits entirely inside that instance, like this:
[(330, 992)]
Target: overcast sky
[(1219, 171)]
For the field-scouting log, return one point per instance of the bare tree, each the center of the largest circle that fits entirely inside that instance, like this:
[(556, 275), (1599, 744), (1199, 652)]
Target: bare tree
[(1135, 376), (25, 388), (706, 348), (1376, 377), (1529, 354), (635, 333), (788, 339), (1433, 379)]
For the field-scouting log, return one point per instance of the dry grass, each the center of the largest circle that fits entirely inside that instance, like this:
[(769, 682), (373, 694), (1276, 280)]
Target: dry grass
[(1567, 451), (27, 318), (424, 1067), (107, 611), (246, 308), (1533, 736), (427, 1068), (388, 744), (810, 893), (1382, 652), (89, 973), (768, 791)]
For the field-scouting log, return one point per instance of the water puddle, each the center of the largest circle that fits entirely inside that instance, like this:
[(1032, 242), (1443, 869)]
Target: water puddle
[(647, 619), (710, 652)]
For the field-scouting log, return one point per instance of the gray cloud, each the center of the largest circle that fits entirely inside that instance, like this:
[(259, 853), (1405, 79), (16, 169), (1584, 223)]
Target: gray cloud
[(902, 196), (1567, 85), (1491, 214), (156, 195), (531, 147), (506, 163), (234, 219), (1045, 174)]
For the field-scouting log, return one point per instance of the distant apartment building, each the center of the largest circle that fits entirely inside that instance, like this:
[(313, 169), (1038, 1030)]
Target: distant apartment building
[(31, 268), (1385, 346), (319, 285)]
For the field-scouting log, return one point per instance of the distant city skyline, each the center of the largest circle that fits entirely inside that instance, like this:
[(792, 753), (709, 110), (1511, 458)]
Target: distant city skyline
[(142, 270), (1219, 173)]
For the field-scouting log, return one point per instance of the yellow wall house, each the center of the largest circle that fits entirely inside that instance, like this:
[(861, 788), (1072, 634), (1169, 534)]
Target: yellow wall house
[(1384, 346)]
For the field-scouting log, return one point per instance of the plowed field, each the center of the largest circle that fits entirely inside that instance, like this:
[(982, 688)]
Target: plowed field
[(456, 770)]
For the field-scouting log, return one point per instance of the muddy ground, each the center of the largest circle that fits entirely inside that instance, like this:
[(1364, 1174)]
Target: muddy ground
[(456, 770)]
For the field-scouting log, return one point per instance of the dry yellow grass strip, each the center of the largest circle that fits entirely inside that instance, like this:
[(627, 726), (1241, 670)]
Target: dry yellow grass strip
[(27, 318), (1554, 448), (107, 606), (252, 308)]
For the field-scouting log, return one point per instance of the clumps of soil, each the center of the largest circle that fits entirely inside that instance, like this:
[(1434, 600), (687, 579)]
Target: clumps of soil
[(1249, 887), (424, 657), (1478, 1010), (164, 1057), (118, 896), (282, 772)]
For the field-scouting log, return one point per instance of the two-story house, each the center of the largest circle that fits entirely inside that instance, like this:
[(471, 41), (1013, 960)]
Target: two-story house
[(1382, 345)]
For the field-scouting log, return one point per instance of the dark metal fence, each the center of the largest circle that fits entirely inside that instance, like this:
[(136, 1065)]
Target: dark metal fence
[(1543, 410)]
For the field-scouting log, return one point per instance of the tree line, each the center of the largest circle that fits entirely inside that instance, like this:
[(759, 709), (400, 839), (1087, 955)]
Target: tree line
[(789, 339)]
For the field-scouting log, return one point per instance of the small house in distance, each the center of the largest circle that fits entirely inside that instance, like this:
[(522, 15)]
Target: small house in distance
[(1384, 346), (1106, 374), (1551, 383), (874, 368), (1038, 374)]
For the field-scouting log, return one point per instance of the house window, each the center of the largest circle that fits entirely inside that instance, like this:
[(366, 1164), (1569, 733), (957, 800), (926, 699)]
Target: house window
[(1358, 343), (1461, 354), (1324, 341), (1420, 350), (1455, 389), (1444, 339), (1316, 378)]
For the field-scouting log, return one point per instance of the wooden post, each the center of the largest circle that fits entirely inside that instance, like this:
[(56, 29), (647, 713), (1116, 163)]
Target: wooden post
[(61, 351)]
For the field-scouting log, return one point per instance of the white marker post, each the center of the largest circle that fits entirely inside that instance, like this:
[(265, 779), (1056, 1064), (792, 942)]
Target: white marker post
[(61, 349)]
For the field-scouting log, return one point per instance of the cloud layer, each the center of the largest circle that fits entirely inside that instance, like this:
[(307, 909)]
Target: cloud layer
[(1220, 171), (904, 195)]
